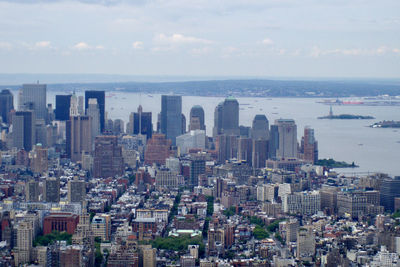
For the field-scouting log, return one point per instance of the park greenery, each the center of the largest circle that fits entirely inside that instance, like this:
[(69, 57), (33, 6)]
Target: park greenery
[(45, 240), (179, 244), (331, 163)]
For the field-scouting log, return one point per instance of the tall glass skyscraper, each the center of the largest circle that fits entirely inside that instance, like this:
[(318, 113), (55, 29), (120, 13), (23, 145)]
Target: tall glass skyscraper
[(33, 97), (63, 103), (171, 116), (6, 104)]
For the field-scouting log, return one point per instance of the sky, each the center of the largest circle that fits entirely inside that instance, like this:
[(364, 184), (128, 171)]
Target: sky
[(261, 38)]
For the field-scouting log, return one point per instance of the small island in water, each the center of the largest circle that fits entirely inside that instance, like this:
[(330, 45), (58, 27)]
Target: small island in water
[(386, 124), (331, 163), (345, 116)]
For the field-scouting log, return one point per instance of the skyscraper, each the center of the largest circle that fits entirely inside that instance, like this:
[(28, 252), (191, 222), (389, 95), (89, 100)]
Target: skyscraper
[(93, 112), (273, 141), (245, 149), (309, 145), (217, 130), (63, 103), (260, 128), (226, 118), (24, 135), (230, 116), (171, 116), (196, 121), (100, 96), (108, 160), (33, 97), (142, 123), (260, 153), (390, 189), (6, 104), (287, 130), (79, 137)]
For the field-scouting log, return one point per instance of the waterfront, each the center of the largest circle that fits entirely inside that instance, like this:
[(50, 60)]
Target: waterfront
[(374, 150)]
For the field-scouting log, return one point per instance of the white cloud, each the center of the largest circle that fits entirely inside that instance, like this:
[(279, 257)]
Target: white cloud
[(137, 45), (42, 44), (267, 41), (177, 38), (5, 45), (81, 46)]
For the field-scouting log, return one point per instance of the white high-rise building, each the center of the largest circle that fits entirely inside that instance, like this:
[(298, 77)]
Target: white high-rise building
[(73, 110), (192, 139), (287, 147), (33, 97)]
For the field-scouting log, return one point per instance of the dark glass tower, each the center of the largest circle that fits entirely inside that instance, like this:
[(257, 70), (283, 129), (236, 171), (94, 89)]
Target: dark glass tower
[(260, 128), (171, 116), (63, 103), (142, 123), (390, 188), (100, 96), (6, 104), (230, 116), (24, 130)]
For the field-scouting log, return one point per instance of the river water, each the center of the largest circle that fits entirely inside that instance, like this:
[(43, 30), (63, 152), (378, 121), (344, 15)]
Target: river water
[(373, 149)]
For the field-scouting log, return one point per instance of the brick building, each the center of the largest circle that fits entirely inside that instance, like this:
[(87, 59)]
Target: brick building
[(62, 222)]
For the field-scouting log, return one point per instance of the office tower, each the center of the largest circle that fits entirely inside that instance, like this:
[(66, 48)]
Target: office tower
[(273, 141), (217, 130), (93, 112), (41, 132), (108, 160), (305, 243), (245, 150), (80, 105), (227, 147), (51, 190), (287, 130), (157, 150), (79, 137), (226, 117), (76, 190), (260, 153), (197, 167), (230, 116), (63, 104), (24, 130), (309, 145), (118, 127), (196, 121), (24, 244), (390, 189), (32, 191), (183, 124), (140, 122), (39, 159), (260, 128), (50, 114), (171, 116), (192, 139), (100, 96), (33, 97), (6, 105)]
